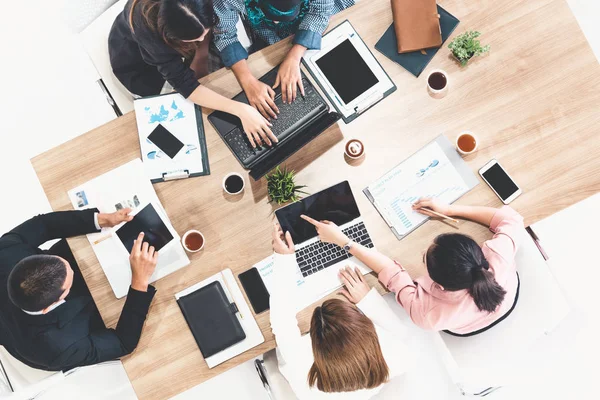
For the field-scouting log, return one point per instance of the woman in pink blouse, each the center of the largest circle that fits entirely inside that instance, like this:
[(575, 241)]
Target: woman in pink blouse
[(468, 288)]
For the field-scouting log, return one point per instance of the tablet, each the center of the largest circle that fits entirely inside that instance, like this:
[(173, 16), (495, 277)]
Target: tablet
[(147, 220), (347, 71)]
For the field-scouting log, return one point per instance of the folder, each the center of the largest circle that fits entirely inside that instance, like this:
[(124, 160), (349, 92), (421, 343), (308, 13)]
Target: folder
[(212, 319)]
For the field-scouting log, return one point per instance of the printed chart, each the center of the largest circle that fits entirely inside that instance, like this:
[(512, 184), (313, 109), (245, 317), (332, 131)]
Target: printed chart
[(428, 173)]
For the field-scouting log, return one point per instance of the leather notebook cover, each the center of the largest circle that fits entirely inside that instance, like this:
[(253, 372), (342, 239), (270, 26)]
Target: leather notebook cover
[(415, 62), (211, 319), (417, 24)]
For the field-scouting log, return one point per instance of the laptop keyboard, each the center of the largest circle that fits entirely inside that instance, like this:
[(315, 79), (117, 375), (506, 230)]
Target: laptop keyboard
[(321, 255), (289, 116)]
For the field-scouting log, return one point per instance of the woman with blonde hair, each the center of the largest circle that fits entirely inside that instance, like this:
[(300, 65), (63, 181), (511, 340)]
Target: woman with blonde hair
[(354, 347)]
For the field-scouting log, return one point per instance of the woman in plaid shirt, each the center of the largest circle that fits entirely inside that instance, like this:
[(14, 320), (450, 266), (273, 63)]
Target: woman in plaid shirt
[(267, 22)]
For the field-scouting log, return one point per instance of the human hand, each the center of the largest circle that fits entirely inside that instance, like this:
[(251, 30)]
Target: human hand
[(289, 76), (257, 128), (113, 219), (260, 96), (143, 261), (282, 244), (432, 204), (328, 231), (355, 286)]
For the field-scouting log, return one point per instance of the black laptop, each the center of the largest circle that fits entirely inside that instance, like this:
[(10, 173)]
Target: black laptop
[(296, 125)]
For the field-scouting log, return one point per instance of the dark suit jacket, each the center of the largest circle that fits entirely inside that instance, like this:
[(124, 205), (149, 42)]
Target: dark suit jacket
[(72, 334)]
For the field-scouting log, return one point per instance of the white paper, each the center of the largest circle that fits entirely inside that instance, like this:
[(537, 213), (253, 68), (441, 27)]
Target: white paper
[(428, 173), (265, 269), (178, 116), (123, 187)]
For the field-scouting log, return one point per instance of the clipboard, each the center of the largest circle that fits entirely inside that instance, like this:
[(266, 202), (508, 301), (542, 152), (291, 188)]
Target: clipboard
[(450, 178), (192, 159), (355, 108)]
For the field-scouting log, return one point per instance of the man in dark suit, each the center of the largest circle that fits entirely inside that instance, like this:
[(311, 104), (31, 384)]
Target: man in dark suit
[(48, 319)]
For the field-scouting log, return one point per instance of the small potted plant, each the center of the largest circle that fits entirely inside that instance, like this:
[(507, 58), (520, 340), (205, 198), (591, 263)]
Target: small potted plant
[(281, 186), (466, 46)]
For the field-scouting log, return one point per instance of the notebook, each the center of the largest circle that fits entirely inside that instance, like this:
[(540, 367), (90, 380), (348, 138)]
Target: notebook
[(415, 62), (416, 24), (212, 319)]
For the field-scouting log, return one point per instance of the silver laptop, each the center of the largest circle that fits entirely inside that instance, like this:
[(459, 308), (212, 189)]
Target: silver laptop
[(320, 262)]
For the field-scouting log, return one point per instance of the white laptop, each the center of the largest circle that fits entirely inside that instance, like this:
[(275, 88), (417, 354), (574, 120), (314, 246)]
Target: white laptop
[(318, 262)]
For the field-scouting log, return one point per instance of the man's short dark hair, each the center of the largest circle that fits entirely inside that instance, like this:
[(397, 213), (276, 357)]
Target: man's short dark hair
[(36, 282)]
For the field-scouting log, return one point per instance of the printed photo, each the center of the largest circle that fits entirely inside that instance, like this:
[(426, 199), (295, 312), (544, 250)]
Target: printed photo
[(81, 199)]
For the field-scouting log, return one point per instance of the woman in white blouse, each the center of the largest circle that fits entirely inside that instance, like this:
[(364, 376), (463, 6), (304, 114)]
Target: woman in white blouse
[(351, 351)]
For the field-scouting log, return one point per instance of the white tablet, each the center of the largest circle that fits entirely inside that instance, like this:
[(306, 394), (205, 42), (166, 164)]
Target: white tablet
[(348, 72)]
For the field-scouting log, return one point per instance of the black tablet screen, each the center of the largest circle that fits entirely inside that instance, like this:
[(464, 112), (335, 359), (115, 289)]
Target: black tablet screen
[(148, 221), (347, 72), (165, 141), (335, 204)]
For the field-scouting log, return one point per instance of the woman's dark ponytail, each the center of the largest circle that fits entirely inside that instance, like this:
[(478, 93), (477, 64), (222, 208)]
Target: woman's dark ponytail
[(456, 262), (486, 292)]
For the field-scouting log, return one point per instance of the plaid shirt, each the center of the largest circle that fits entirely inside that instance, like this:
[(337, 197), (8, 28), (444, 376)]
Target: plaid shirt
[(308, 33)]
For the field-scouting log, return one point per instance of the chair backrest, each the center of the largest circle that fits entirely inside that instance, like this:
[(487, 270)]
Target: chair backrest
[(95, 42), (492, 357), (21, 376)]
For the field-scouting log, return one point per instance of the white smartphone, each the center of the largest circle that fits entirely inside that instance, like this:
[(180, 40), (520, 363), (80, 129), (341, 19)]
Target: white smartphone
[(499, 181)]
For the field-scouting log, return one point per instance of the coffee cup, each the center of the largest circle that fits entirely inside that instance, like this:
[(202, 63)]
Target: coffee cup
[(466, 143), (354, 149), (233, 183), (193, 241), (437, 83)]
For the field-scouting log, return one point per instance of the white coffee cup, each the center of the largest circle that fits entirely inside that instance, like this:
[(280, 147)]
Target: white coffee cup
[(465, 152), (438, 93), (190, 232), (234, 174)]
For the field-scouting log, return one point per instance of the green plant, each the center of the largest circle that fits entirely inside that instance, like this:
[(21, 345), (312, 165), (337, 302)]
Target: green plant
[(281, 186), (466, 46)]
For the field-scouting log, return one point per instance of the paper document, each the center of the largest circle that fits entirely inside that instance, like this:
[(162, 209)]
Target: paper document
[(125, 187), (304, 297), (427, 173), (178, 116)]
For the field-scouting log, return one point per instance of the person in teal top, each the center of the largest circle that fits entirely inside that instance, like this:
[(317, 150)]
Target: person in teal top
[(267, 22)]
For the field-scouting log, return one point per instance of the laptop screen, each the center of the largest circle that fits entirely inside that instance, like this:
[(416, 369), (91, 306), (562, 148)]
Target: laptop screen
[(335, 204)]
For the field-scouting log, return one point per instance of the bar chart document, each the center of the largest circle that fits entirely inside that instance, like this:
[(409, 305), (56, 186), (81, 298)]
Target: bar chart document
[(436, 170)]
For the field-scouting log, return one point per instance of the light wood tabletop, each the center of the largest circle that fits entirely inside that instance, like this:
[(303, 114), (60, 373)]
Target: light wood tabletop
[(534, 103)]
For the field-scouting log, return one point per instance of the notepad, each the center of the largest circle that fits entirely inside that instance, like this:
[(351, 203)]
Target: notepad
[(415, 62), (253, 334), (436, 170)]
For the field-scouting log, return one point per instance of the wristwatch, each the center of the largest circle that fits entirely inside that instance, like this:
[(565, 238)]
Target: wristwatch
[(348, 245)]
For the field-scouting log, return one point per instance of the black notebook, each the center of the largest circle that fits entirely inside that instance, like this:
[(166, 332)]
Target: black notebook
[(211, 318), (415, 62)]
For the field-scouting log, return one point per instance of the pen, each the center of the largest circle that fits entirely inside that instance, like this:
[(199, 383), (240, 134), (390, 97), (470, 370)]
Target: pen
[(440, 215), (102, 239), (231, 294)]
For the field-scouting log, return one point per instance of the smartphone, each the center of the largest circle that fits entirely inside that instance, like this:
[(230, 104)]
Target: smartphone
[(165, 141), (499, 181), (255, 290)]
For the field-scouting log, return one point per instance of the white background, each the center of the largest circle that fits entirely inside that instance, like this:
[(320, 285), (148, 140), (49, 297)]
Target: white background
[(49, 95)]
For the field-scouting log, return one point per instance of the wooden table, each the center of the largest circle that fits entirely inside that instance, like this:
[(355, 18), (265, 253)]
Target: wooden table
[(534, 102)]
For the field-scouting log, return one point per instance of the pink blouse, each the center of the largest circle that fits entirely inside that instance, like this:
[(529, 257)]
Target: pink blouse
[(430, 307)]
